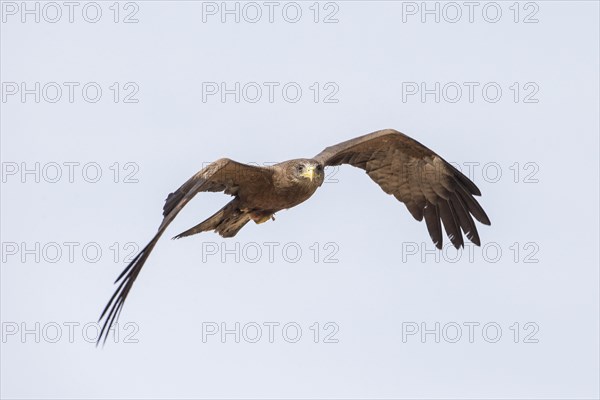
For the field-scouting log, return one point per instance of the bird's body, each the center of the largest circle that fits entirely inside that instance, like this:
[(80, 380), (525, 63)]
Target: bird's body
[(430, 188), (266, 191), (287, 187)]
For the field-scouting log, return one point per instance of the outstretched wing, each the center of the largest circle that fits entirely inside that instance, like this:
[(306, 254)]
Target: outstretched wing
[(224, 175), (428, 185)]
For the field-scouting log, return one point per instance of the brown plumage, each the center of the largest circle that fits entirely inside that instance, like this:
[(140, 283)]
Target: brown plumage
[(430, 188)]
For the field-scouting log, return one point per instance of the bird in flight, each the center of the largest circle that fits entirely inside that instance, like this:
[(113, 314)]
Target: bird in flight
[(429, 187)]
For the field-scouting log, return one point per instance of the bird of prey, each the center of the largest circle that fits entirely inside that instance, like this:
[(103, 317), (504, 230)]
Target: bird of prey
[(430, 188)]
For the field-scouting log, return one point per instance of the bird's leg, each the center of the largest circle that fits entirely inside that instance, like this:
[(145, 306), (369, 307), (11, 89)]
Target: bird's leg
[(273, 217)]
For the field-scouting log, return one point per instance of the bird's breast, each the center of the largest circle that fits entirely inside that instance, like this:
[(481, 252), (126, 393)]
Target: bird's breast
[(276, 198)]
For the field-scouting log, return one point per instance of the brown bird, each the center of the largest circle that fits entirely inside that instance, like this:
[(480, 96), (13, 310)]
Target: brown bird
[(430, 188)]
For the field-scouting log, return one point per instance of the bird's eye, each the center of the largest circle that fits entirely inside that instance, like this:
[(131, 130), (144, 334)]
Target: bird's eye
[(319, 168), (300, 168)]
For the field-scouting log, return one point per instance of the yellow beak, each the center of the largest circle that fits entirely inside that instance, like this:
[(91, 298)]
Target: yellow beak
[(309, 172)]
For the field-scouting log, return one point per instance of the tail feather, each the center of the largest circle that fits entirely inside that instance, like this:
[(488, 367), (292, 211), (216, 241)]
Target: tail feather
[(227, 222)]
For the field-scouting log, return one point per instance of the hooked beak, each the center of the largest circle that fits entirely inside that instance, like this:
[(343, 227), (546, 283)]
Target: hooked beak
[(309, 172)]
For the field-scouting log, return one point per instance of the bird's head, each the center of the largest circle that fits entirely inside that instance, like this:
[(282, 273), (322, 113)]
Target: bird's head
[(308, 171)]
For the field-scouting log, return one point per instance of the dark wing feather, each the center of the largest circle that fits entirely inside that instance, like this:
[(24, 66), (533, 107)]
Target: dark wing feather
[(465, 220), (451, 224), (430, 187), (434, 226), (222, 175)]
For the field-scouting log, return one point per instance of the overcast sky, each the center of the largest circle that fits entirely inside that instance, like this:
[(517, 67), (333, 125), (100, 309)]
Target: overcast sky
[(107, 107)]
